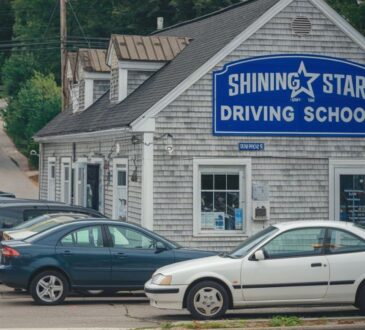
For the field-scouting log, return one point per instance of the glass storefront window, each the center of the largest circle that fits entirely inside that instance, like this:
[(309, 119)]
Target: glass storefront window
[(220, 194), (352, 198)]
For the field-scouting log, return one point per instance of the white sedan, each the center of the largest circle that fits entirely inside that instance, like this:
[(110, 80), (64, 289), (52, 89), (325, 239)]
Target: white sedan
[(296, 263)]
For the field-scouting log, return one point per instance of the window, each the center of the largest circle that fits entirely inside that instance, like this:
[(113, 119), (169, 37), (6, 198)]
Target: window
[(90, 237), (344, 242), (296, 243), (51, 179), (10, 217), (220, 196), (31, 214), (66, 180), (100, 87), (130, 239)]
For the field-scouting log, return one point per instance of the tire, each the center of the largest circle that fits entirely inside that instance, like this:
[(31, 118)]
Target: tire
[(49, 288), (207, 300)]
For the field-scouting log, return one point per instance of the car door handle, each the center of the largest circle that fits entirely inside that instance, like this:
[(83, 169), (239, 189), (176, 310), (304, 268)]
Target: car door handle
[(120, 255), (67, 253), (318, 264)]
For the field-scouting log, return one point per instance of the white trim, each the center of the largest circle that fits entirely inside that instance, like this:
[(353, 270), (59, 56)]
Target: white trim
[(213, 61), (140, 65), (40, 166), (51, 184), (116, 162), (122, 84), (148, 125), (66, 162), (147, 181), (334, 166), (81, 137), (340, 22), (80, 164), (89, 91), (97, 75), (99, 161), (245, 163)]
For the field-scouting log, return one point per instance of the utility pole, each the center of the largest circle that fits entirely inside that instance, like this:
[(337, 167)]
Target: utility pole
[(63, 41)]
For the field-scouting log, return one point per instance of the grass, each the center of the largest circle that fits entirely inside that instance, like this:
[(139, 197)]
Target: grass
[(285, 321)]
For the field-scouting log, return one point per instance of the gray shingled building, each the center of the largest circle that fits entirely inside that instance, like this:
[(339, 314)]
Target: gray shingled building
[(217, 127)]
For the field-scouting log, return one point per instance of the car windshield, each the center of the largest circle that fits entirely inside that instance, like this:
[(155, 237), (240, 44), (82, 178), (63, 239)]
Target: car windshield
[(245, 247)]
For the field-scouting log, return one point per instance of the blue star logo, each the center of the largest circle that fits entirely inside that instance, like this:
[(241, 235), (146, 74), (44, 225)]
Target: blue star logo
[(305, 82)]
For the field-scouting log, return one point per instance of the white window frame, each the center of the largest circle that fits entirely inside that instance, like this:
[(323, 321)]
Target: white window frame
[(66, 162), (245, 189), (51, 183), (336, 168), (116, 162)]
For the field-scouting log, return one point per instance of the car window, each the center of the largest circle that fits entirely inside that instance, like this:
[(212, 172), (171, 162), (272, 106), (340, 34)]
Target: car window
[(33, 213), (89, 237), (295, 243), (344, 242), (130, 239), (10, 217)]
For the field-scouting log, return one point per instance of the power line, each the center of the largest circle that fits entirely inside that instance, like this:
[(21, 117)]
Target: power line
[(77, 20), (50, 19)]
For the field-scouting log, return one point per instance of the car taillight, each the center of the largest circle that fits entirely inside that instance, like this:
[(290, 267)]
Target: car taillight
[(9, 252)]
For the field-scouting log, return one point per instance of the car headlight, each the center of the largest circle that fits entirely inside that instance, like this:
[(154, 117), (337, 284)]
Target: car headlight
[(160, 279)]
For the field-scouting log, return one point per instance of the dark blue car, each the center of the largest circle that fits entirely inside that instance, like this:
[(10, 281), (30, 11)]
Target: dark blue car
[(95, 254)]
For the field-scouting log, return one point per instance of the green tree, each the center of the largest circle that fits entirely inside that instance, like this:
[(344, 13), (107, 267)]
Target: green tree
[(352, 11), (38, 101), (16, 71), (6, 30)]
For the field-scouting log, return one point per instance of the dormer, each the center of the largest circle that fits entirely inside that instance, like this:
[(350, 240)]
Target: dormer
[(93, 76), (133, 59), (72, 86)]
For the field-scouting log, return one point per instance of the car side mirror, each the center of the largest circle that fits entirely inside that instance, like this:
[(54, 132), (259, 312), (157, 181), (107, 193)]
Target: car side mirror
[(259, 255), (160, 247)]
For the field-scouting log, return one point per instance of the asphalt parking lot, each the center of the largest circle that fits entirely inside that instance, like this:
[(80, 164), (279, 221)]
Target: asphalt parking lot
[(17, 310)]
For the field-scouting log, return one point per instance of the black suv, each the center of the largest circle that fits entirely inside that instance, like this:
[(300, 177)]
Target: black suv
[(15, 211)]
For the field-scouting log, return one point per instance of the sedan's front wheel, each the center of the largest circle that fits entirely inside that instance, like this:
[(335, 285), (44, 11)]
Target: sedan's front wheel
[(207, 300), (49, 288)]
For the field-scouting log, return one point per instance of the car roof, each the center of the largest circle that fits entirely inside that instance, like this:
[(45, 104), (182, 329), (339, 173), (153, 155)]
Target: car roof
[(7, 201), (313, 223)]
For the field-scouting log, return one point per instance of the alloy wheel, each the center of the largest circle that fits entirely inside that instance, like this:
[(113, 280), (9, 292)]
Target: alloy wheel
[(208, 301), (49, 288)]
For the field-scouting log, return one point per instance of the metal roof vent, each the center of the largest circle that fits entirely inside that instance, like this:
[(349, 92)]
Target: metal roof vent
[(301, 26)]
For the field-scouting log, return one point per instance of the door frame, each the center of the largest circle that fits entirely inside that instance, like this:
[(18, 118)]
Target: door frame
[(336, 166), (51, 184), (116, 162), (99, 161), (66, 162), (80, 163)]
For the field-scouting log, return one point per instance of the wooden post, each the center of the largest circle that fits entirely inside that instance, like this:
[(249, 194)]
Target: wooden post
[(63, 41)]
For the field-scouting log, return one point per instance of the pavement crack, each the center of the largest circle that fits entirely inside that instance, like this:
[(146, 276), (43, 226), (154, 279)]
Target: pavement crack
[(143, 319)]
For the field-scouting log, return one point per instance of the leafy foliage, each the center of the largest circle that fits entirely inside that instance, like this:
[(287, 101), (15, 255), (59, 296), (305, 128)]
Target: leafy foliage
[(36, 103), (16, 71)]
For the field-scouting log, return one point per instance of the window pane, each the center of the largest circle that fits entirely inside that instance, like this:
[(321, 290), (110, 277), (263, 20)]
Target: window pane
[(233, 182), (220, 182), (130, 239), (344, 242), (122, 178), (207, 201), (67, 173), (207, 182), (90, 237), (352, 198), (300, 242), (53, 170), (220, 202)]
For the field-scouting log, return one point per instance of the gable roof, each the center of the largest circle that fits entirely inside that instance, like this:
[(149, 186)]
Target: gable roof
[(209, 35), (92, 60), (147, 48)]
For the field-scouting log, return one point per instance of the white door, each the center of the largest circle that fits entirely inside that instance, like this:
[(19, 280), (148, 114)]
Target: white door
[(51, 180), (346, 255), (294, 268), (66, 180), (80, 184), (349, 194), (120, 189)]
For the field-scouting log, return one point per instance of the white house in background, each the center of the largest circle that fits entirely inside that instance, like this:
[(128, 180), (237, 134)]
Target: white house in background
[(214, 128)]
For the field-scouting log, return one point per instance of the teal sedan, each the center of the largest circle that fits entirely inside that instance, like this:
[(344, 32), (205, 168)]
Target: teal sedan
[(95, 254)]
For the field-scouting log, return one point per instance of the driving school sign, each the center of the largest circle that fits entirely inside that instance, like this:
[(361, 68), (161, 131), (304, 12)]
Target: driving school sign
[(299, 95)]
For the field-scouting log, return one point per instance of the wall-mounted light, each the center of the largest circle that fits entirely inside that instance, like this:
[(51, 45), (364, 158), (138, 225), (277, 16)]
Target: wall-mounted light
[(34, 153)]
